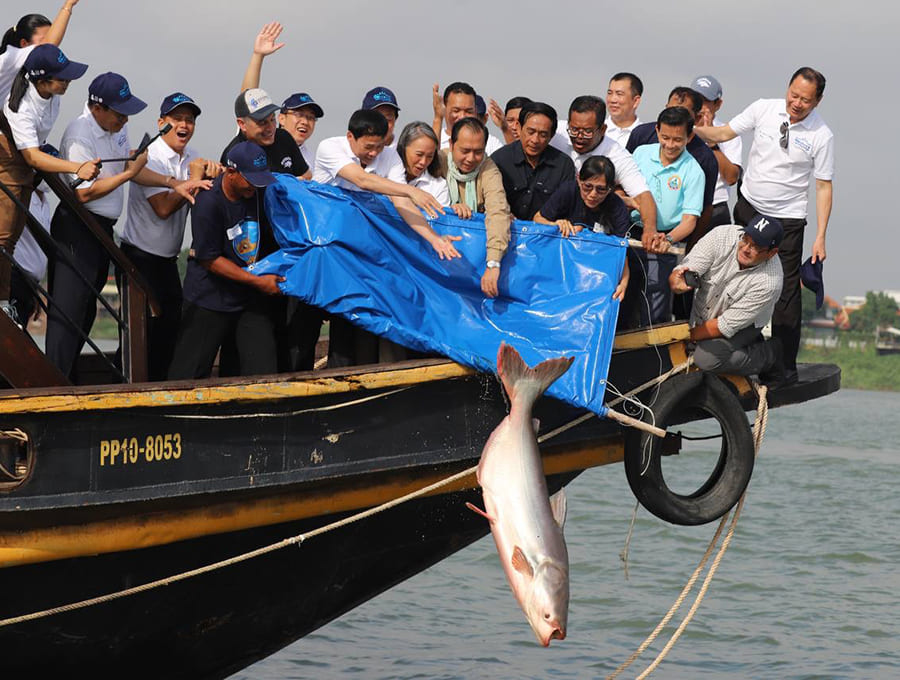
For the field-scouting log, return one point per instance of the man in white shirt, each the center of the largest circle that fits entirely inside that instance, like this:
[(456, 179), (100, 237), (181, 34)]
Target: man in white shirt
[(728, 154), (153, 231), (298, 116), (791, 144), (622, 100), (458, 101)]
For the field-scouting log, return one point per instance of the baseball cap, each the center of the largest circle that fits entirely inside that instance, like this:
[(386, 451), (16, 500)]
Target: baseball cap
[(176, 99), (48, 61), (254, 103), (708, 87), (811, 275), (111, 90), (300, 99), (480, 106), (766, 232), (378, 96), (249, 159)]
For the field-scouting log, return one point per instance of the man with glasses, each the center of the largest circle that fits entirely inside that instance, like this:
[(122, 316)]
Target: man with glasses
[(298, 116), (791, 142), (737, 280), (531, 168)]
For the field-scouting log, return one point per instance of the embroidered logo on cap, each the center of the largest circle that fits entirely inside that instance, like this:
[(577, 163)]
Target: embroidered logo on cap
[(382, 96), (704, 82), (260, 161), (762, 224), (124, 92)]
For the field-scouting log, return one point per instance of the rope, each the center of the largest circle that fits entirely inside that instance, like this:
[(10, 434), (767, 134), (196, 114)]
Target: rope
[(300, 538), (759, 429)]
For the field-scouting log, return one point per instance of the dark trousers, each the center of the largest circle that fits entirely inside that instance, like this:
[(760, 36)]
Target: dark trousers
[(203, 331), (745, 353), (349, 345), (69, 295), (787, 315), (658, 305), (721, 214), (297, 348), (161, 274), (22, 297)]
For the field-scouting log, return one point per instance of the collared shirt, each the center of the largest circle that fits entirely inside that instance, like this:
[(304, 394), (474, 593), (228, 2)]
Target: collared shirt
[(736, 297), (493, 143), (646, 134), (776, 180), (143, 228), (84, 140), (436, 186), (335, 154), (733, 150), (677, 188), (622, 134), (10, 62), (628, 176), (309, 155), (527, 188), (31, 124)]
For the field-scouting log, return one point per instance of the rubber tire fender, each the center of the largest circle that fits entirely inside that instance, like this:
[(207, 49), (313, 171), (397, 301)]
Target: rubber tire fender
[(681, 399)]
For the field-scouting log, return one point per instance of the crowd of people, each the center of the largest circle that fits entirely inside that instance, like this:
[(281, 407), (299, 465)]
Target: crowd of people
[(666, 182)]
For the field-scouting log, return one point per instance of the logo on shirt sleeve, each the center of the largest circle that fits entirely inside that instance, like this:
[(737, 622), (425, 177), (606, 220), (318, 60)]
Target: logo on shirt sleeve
[(244, 238)]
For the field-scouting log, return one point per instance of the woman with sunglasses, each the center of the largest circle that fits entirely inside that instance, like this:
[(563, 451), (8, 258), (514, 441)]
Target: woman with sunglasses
[(590, 202)]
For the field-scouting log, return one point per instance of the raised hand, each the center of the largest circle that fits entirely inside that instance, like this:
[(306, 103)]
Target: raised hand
[(265, 44)]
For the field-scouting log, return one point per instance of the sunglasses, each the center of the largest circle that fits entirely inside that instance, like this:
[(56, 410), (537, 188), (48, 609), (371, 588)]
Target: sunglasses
[(784, 135)]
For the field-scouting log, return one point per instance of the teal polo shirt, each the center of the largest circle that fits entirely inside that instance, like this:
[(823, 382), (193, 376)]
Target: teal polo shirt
[(676, 188)]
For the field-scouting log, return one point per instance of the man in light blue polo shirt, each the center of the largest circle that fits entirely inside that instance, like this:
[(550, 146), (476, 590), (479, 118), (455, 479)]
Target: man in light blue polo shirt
[(676, 181)]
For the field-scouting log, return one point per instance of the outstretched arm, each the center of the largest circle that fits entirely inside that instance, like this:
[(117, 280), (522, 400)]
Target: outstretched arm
[(58, 28), (264, 45)]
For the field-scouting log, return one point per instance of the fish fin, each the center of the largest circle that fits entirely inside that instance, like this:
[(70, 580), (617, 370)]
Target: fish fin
[(479, 511), (520, 562), (527, 383), (559, 507)]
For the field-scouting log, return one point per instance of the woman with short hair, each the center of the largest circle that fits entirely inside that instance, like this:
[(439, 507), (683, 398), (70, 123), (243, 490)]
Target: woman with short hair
[(418, 149)]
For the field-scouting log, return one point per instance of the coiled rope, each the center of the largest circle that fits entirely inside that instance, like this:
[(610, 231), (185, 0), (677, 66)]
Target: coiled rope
[(759, 430)]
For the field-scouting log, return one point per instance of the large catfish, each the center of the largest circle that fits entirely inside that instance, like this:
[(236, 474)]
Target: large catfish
[(527, 526)]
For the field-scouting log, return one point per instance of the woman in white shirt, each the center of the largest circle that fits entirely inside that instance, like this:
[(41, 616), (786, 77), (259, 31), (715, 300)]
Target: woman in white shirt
[(28, 117), (417, 147)]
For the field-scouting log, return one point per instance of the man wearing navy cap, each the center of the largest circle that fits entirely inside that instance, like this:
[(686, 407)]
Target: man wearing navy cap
[(739, 281), (298, 116), (153, 232), (99, 132), (382, 99), (223, 298)]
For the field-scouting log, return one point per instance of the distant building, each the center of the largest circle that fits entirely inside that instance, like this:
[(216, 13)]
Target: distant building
[(894, 295)]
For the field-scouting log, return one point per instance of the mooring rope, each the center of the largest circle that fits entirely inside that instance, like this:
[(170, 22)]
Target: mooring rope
[(300, 538), (759, 430)]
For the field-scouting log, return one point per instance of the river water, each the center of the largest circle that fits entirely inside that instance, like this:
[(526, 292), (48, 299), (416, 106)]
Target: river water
[(809, 588)]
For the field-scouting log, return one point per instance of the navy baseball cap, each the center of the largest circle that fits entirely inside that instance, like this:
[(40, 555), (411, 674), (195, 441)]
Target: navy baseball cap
[(48, 61), (811, 275), (708, 87), (378, 96), (766, 232), (176, 99), (254, 103), (249, 159), (480, 106), (111, 90), (299, 100)]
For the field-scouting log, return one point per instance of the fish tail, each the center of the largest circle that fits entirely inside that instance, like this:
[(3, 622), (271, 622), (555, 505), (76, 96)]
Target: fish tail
[(522, 383)]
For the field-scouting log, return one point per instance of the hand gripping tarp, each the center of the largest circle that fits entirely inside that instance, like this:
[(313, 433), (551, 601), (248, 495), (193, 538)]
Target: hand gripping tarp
[(350, 253)]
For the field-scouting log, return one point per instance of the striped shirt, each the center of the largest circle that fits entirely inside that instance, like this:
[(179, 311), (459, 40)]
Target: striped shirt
[(736, 297)]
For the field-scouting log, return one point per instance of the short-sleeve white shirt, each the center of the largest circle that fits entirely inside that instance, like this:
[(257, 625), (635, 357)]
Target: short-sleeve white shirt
[(436, 186), (493, 143), (618, 134), (10, 63), (628, 175), (84, 140), (776, 180), (143, 228), (334, 154), (309, 155), (31, 124), (733, 150)]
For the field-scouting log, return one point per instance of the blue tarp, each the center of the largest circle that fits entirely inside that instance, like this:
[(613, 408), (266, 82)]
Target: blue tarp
[(350, 253)]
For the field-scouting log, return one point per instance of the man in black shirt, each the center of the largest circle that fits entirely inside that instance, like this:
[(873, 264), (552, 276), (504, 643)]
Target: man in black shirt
[(222, 298), (532, 169)]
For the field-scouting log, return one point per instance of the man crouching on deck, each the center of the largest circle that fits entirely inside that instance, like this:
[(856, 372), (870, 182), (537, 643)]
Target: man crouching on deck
[(738, 281)]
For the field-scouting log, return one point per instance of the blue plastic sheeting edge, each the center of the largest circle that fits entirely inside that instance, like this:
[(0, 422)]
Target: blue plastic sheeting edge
[(351, 254)]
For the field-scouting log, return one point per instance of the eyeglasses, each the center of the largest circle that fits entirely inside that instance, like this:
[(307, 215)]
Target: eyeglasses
[(581, 132), (591, 188), (784, 135), (752, 245)]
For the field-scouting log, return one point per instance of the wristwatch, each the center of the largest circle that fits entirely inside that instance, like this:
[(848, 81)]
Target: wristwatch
[(669, 238), (493, 264)]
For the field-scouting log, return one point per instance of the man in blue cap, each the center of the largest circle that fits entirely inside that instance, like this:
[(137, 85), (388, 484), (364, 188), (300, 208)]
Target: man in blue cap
[(382, 99), (223, 299), (737, 279), (298, 116), (99, 132), (153, 232)]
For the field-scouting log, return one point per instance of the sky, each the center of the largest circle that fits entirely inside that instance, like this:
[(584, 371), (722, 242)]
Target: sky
[(548, 51)]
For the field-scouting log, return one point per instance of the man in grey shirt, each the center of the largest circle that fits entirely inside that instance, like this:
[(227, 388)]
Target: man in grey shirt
[(738, 279)]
